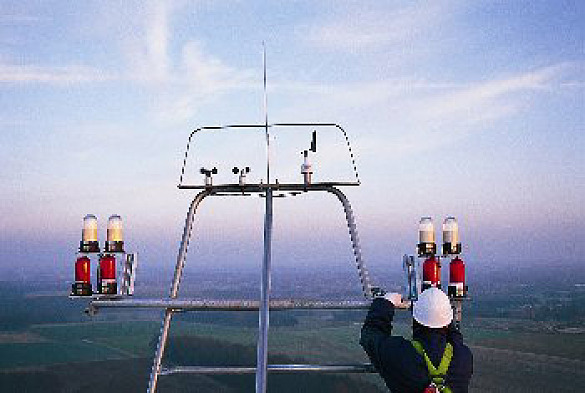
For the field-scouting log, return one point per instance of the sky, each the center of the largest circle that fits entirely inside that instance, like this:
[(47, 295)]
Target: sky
[(470, 109)]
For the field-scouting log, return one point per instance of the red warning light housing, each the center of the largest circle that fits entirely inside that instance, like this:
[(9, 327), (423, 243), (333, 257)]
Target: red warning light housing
[(82, 284), (107, 284), (457, 287), (431, 273)]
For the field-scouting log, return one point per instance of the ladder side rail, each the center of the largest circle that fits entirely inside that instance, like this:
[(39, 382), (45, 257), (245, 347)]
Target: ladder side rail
[(162, 341), (263, 318), (355, 242)]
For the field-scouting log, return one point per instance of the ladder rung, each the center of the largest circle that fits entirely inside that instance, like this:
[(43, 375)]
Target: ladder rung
[(227, 305), (272, 368), (232, 305)]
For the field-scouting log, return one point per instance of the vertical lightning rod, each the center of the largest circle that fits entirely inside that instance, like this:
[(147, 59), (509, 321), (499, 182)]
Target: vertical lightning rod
[(263, 323), (266, 129)]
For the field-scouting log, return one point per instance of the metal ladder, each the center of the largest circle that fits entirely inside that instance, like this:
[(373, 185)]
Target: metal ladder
[(172, 305)]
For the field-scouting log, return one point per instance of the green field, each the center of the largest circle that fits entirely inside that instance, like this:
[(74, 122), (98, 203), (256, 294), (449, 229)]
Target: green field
[(504, 360)]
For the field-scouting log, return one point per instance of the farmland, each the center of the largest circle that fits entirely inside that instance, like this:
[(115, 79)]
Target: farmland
[(525, 361), (47, 343)]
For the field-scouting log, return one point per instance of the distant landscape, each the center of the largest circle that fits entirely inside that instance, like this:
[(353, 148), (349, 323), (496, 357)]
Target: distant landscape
[(526, 335)]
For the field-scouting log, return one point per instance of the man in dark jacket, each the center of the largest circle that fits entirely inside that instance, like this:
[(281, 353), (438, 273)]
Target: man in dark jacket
[(401, 366)]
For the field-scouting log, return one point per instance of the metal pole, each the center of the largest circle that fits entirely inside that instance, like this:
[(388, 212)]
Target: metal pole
[(164, 331), (355, 242), (262, 348)]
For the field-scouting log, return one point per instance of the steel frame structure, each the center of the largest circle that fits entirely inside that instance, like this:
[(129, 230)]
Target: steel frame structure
[(265, 305)]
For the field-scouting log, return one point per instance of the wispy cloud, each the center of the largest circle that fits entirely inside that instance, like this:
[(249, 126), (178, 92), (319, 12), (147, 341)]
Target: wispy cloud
[(358, 29), (181, 80), (13, 19), (424, 114), (157, 40), (55, 75), (199, 79), (185, 82), (493, 98), (151, 62)]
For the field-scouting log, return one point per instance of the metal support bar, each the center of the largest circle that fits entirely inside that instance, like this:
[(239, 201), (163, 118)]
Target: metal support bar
[(264, 321), (229, 187), (263, 306), (232, 305), (355, 242), (273, 369), (329, 187), (164, 331)]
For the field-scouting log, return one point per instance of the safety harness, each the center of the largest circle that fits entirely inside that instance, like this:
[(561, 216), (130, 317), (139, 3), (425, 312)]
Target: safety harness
[(437, 374)]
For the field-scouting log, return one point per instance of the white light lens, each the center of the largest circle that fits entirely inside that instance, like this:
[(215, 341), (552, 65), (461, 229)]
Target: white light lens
[(426, 230), (115, 228), (450, 231), (89, 232)]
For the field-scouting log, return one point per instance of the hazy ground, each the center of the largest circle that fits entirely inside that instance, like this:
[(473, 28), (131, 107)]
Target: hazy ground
[(117, 356), (47, 343)]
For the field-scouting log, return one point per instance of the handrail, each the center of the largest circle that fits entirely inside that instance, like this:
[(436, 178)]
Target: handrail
[(263, 127)]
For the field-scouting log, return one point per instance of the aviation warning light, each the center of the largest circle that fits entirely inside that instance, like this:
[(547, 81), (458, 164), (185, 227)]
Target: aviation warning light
[(451, 244), (426, 231), (114, 242), (89, 240)]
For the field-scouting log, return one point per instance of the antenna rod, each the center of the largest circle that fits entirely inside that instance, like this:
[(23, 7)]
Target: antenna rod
[(266, 117)]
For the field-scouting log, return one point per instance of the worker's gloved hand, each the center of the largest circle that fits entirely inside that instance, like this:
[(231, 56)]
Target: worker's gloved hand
[(378, 292), (394, 298)]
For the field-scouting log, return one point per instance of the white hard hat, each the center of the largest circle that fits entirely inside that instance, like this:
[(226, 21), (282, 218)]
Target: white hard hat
[(433, 309)]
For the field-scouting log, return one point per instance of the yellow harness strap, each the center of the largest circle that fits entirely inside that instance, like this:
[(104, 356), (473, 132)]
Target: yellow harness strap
[(437, 374)]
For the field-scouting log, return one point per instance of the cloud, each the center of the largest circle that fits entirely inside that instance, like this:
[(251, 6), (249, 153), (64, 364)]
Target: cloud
[(157, 38), (208, 72), (440, 100), (492, 99), (20, 19), (56, 75), (423, 114), (151, 62), (359, 30), (186, 79), (199, 78)]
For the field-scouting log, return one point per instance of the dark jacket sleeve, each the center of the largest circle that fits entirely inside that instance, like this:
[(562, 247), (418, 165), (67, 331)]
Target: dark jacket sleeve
[(377, 327), (393, 356)]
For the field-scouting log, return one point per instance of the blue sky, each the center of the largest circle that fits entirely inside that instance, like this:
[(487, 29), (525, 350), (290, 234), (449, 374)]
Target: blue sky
[(473, 109)]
